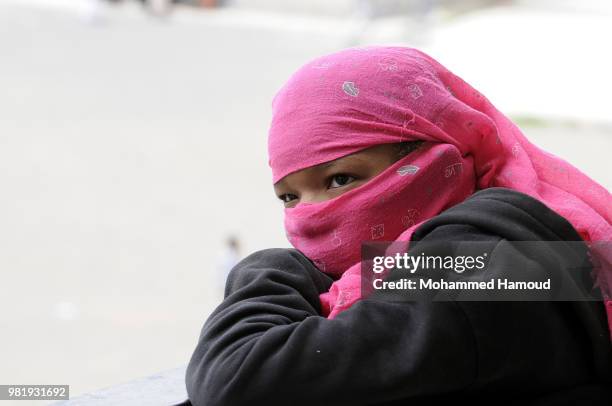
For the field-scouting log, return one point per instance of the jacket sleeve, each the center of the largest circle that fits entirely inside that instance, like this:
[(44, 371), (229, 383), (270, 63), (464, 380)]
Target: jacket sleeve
[(267, 344)]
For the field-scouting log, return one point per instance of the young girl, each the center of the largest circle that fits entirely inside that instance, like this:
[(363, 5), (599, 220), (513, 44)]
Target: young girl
[(384, 143)]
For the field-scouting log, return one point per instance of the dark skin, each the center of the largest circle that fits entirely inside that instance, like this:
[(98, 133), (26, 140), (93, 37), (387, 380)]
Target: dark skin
[(331, 179)]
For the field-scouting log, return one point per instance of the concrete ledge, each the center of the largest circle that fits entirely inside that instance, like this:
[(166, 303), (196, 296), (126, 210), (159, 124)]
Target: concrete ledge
[(164, 389)]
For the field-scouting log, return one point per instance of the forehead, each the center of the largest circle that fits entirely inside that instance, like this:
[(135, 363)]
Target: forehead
[(303, 176), (370, 157)]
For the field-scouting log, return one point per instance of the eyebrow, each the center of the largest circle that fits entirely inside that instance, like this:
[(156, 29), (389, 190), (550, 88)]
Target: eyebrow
[(351, 159), (327, 164), (321, 166)]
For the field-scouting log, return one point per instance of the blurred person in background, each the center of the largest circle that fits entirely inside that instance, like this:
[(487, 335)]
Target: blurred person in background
[(229, 257)]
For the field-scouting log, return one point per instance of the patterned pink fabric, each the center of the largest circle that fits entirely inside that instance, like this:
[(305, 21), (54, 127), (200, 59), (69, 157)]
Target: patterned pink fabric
[(341, 103)]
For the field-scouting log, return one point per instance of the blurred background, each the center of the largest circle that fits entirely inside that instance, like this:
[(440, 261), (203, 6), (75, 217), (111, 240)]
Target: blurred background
[(133, 166)]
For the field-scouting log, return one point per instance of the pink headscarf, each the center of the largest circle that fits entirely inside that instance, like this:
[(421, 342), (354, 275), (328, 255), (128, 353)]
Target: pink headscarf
[(357, 98)]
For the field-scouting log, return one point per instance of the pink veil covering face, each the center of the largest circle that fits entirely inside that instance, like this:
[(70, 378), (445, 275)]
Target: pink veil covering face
[(357, 98)]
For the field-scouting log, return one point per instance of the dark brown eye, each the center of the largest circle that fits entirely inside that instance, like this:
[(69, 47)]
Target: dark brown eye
[(340, 180), (287, 197)]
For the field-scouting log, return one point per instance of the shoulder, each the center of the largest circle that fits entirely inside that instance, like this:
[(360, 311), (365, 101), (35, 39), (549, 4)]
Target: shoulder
[(502, 212)]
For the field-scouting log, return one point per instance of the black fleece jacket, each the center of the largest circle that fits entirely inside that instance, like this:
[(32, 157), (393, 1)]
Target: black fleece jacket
[(267, 344)]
